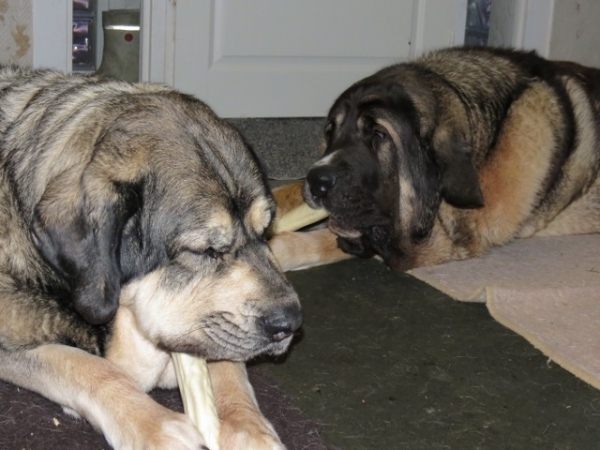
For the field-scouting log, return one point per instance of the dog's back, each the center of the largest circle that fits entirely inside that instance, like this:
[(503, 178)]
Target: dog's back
[(533, 133)]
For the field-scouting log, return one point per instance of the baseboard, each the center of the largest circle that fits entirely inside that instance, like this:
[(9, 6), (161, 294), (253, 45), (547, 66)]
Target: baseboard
[(287, 147)]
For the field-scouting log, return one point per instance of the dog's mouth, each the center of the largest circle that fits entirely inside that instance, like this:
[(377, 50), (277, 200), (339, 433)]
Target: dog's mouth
[(342, 230), (349, 224), (220, 346), (221, 337), (351, 213), (278, 348)]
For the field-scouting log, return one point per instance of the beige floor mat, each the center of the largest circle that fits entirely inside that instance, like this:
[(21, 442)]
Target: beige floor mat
[(545, 289)]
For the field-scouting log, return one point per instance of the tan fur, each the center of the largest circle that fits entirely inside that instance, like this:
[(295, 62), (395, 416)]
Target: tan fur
[(259, 216), (300, 250), (526, 137), (239, 411)]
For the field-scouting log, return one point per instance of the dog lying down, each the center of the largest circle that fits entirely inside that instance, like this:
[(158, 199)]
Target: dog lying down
[(133, 225), (444, 157)]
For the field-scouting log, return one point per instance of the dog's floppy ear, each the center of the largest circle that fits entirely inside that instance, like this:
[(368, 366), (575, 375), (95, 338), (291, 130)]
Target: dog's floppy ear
[(459, 180), (415, 171), (418, 160), (78, 230)]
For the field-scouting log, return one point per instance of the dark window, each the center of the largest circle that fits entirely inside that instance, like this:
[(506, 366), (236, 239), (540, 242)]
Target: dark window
[(84, 35), (478, 22)]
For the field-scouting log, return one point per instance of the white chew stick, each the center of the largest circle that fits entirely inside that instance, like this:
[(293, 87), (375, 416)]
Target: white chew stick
[(299, 217), (197, 394)]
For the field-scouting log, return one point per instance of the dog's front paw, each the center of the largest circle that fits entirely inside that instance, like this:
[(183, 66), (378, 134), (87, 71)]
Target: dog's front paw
[(248, 432), (158, 429), (180, 433)]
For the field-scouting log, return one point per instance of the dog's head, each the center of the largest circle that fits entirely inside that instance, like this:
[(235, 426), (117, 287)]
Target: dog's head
[(387, 165), (163, 206)]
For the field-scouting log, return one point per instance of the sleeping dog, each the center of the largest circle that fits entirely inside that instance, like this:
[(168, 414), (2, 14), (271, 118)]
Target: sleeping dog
[(132, 225)]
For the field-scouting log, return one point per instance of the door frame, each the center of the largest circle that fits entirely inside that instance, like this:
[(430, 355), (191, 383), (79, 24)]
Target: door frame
[(52, 25)]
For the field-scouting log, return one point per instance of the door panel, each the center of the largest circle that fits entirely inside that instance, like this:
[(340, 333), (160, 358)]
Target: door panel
[(311, 29), (284, 58)]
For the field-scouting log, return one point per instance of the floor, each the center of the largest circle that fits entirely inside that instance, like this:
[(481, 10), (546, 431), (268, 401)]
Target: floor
[(387, 362)]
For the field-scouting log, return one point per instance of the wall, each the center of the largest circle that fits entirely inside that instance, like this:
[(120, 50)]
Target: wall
[(16, 24), (575, 33), (522, 24), (557, 29)]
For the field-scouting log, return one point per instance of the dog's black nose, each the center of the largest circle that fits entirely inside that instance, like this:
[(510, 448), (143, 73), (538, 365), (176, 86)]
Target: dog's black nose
[(320, 180), (282, 323)]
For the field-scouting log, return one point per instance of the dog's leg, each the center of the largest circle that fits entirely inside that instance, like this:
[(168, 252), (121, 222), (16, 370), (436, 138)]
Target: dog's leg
[(303, 249), (128, 348), (97, 390), (243, 427)]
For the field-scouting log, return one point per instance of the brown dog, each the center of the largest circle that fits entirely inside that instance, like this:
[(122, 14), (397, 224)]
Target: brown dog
[(447, 156), (132, 225)]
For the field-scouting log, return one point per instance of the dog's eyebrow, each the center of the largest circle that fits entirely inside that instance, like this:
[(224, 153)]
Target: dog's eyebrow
[(339, 118), (369, 99), (259, 215), (216, 232)]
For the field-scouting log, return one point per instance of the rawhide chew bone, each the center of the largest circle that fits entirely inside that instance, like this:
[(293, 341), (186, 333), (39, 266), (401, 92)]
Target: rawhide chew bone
[(197, 395), (299, 217)]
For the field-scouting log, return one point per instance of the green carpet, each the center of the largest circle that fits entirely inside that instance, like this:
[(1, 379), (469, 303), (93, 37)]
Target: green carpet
[(387, 362)]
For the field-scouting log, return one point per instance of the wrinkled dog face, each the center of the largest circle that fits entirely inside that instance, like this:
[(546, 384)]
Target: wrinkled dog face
[(172, 222), (219, 292), (216, 288), (375, 173)]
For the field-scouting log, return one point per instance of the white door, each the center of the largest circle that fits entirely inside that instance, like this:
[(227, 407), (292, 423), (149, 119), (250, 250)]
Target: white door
[(287, 58)]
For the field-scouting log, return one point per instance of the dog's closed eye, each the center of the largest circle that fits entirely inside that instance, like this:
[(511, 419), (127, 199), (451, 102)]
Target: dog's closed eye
[(212, 253), (208, 252)]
